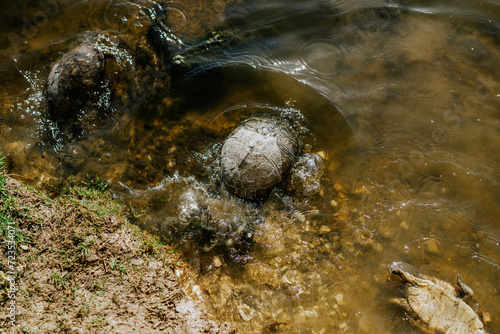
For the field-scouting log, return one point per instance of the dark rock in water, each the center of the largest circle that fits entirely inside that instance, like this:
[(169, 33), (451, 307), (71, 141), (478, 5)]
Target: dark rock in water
[(257, 154), (74, 79)]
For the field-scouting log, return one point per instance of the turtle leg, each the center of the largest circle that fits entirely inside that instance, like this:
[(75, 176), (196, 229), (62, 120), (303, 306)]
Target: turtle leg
[(467, 294), (464, 289)]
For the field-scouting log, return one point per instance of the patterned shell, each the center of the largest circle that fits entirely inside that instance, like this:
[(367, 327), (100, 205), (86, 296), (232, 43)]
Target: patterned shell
[(257, 154)]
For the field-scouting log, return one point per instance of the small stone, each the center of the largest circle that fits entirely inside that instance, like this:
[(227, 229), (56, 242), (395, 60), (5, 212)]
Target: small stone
[(245, 312), (404, 225), (324, 229), (339, 298), (217, 262), (432, 246), (24, 247), (155, 265), (337, 187), (322, 154), (378, 247), (300, 216), (486, 316), (196, 289), (362, 190), (333, 203)]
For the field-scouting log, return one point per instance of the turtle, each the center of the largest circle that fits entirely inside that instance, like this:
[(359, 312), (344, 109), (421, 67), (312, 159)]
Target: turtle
[(74, 78), (124, 64), (257, 154), (436, 306)]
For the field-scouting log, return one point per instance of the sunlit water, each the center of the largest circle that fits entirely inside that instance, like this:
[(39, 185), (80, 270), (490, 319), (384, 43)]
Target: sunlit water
[(400, 99)]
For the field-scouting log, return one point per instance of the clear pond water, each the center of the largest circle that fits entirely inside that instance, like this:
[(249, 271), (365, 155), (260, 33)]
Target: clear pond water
[(400, 98)]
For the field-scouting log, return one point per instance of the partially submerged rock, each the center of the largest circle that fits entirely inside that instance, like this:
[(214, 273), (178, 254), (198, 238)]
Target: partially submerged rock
[(436, 306), (305, 175), (257, 154), (210, 223)]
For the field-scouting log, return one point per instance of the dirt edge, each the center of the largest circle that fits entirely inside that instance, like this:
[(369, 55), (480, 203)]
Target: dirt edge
[(80, 266)]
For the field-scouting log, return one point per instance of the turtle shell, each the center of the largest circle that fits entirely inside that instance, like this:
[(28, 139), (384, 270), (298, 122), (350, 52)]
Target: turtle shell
[(257, 154), (74, 78)]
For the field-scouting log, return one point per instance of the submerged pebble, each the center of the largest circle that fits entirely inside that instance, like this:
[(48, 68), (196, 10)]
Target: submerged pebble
[(217, 262), (246, 312), (432, 246), (339, 298)]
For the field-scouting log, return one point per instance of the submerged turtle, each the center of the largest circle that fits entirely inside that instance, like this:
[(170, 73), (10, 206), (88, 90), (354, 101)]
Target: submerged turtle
[(257, 154), (438, 307)]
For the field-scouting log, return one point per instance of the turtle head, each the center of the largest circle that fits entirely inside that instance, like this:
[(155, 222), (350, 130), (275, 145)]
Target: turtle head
[(404, 271), (463, 289)]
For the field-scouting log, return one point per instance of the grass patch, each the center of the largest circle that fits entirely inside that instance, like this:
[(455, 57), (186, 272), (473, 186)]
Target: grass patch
[(10, 211), (3, 170), (60, 280)]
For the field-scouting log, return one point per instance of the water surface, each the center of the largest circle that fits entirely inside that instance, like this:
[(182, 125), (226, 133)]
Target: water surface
[(400, 98)]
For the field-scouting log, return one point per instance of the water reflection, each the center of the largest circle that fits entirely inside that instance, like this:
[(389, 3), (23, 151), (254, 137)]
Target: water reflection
[(400, 99)]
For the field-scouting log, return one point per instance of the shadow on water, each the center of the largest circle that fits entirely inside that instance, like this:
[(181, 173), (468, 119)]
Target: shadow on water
[(399, 99)]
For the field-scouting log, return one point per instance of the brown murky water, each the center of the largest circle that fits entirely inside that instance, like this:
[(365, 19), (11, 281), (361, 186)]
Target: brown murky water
[(401, 99)]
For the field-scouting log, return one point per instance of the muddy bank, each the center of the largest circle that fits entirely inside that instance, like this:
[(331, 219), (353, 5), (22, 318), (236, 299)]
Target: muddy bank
[(81, 267)]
